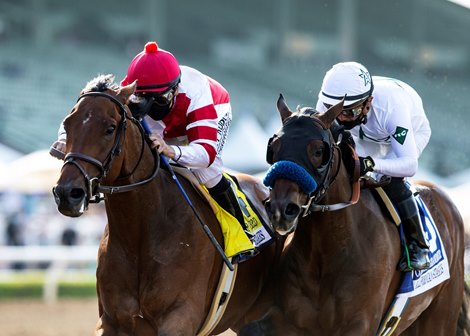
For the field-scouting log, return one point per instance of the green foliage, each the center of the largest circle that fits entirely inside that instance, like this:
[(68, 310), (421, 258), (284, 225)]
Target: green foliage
[(20, 290), (77, 290), (27, 286)]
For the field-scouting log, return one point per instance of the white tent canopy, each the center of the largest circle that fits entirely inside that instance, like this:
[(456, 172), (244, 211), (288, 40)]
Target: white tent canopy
[(36, 172), (8, 155), (245, 150)]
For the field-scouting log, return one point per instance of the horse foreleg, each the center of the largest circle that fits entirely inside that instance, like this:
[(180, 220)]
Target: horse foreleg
[(104, 327), (143, 328), (177, 325), (126, 327), (273, 323)]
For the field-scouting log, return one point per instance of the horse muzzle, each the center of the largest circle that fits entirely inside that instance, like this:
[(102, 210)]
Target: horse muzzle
[(71, 201), (283, 216)]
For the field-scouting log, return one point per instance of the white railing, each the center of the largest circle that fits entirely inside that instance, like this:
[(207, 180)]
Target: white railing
[(63, 257), (59, 257)]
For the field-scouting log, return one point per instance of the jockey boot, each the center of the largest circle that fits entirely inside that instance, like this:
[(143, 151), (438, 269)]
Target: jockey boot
[(225, 196), (418, 248)]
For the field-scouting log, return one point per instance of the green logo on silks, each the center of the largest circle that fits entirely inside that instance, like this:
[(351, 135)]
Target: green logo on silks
[(400, 134)]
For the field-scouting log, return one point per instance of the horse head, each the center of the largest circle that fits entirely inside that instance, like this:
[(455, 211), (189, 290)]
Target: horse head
[(302, 154), (96, 129)]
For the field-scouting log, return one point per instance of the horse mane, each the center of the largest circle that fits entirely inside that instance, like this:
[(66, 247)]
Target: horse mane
[(101, 83)]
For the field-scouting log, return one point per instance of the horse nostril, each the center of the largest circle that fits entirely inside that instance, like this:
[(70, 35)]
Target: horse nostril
[(291, 211), (77, 193)]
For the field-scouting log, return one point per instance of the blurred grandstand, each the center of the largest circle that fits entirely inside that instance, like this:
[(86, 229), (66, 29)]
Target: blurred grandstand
[(51, 48)]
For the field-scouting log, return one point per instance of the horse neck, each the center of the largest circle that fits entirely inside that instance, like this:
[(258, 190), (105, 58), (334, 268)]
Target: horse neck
[(322, 233), (132, 214), (138, 161), (340, 187), (129, 212)]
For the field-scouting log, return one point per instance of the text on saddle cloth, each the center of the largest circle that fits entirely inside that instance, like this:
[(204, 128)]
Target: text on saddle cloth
[(417, 282), (235, 239)]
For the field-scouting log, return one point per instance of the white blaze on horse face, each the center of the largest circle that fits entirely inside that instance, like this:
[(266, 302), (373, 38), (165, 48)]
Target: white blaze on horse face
[(87, 119)]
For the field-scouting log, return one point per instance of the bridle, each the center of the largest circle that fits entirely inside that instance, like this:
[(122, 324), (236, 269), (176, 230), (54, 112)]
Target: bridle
[(94, 187), (324, 174), (312, 203)]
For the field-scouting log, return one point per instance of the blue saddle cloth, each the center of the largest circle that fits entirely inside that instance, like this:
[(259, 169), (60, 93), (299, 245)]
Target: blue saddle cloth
[(417, 282)]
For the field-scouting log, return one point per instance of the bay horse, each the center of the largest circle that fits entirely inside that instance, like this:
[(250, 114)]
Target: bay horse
[(339, 275), (157, 270)]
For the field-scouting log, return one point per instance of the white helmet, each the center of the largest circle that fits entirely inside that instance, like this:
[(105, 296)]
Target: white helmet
[(348, 78)]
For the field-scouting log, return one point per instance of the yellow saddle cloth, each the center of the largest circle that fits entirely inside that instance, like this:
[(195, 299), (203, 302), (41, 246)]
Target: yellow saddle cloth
[(235, 238)]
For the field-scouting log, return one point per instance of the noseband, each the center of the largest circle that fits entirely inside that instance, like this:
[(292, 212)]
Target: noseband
[(94, 187)]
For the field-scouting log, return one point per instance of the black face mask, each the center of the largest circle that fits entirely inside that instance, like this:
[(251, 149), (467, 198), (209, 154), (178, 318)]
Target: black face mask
[(351, 124), (148, 106), (158, 112), (140, 108)]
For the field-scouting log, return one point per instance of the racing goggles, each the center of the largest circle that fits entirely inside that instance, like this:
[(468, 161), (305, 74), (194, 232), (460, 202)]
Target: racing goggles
[(352, 112), (160, 98)]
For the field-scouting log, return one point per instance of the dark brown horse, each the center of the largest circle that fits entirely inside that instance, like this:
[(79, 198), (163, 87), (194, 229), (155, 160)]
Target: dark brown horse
[(157, 270), (339, 274)]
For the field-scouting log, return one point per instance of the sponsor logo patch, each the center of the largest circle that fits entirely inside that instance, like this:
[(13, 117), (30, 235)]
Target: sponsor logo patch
[(400, 134)]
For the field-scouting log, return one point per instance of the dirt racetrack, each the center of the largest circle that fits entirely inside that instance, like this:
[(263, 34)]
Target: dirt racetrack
[(64, 318)]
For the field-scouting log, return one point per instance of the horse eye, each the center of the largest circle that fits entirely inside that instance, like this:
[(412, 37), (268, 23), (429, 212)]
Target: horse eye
[(110, 130), (319, 152)]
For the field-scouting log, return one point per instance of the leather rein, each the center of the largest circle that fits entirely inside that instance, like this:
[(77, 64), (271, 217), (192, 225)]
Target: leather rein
[(94, 187)]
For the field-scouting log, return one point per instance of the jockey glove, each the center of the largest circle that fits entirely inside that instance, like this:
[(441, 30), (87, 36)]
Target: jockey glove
[(367, 165)]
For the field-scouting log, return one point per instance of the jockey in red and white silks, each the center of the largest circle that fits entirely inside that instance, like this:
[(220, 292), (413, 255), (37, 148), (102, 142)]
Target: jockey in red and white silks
[(198, 125), (189, 116)]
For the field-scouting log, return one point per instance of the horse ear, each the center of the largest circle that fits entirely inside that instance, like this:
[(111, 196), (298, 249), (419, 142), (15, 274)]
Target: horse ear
[(125, 92), (283, 109), (331, 114)]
